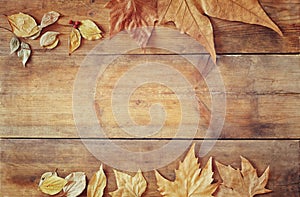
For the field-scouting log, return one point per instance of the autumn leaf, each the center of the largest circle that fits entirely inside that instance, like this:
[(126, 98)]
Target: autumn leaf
[(35, 36), (89, 30), (49, 18), (190, 179), (74, 40), (51, 184), (137, 17), (14, 44), (22, 25), (97, 184), (242, 183), (76, 183), (24, 53), (49, 39), (129, 186), (247, 11), (188, 19)]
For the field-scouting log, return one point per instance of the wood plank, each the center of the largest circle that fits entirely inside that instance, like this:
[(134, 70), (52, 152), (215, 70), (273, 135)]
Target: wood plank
[(23, 162), (230, 37), (37, 101)]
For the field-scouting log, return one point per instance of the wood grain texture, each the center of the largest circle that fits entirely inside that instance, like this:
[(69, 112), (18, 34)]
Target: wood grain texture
[(21, 169)]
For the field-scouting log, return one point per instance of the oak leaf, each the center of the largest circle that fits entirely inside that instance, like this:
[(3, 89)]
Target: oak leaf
[(242, 183), (89, 30), (23, 25), (129, 186), (137, 17), (76, 184), (24, 53), (74, 40), (51, 184), (97, 184), (14, 44), (190, 179)]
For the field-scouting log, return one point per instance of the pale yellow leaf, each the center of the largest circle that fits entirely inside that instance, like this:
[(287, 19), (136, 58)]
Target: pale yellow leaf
[(242, 183), (52, 46), (129, 186), (190, 179), (74, 40), (23, 25), (24, 53), (14, 44), (76, 184), (51, 184), (49, 18), (35, 36), (48, 38), (89, 30), (97, 184)]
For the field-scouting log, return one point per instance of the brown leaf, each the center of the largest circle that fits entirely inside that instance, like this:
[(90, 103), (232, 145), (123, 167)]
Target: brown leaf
[(97, 184), (247, 11), (24, 53), (137, 17), (89, 30), (188, 19), (129, 186), (76, 184), (49, 18), (23, 25), (51, 184), (14, 44), (190, 180), (242, 183), (74, 40)]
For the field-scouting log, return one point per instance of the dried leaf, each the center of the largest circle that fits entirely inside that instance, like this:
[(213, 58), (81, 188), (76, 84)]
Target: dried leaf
[(89, 30), (35, 36), (48, 38), (14, 44), (188, 19), (23, 25), (97, 184), (190, 180), (52, 46), (74, 40), (242, 183), (76, 184), (51, 184), (128, 185), (135, 16), (24, 53), (49, 18), (238, 10)]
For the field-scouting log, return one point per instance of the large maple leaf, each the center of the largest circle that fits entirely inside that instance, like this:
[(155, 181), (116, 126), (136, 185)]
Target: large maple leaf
[(190, 179), (242, 183), (137, 17)]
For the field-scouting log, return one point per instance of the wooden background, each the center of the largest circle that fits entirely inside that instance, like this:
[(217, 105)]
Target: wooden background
[(260, 69)]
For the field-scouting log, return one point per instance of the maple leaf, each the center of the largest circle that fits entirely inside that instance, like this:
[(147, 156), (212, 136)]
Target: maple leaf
[(242, 183), (129, 186), (137, 17), (190, 179)]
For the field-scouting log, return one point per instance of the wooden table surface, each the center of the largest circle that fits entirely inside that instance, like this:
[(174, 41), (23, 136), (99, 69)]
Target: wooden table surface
[(261, 73)]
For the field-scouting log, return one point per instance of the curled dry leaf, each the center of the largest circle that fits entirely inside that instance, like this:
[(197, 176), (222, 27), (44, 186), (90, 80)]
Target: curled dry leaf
[(24, 53), (35, 36), (51, 184), (49, 39), (74, 40), (97, 184), (49, 18), (89, 30), (14, 44), (128, 185), (23, 25), (76, 184), (190, 179), (245, 182)]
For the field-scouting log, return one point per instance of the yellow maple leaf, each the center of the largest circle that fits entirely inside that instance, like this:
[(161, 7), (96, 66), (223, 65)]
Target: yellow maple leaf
[(97, 184), (89, 30), (129, 186), (242, 183), (190, 179)]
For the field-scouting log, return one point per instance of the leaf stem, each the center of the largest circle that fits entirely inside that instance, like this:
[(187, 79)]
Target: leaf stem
[(7, 29)]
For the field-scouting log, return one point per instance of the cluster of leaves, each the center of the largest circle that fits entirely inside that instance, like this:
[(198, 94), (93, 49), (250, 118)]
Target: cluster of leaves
[(190, 181), (138, 17)]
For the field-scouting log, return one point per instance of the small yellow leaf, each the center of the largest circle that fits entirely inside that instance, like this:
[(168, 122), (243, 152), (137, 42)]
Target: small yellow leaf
[(52, 184), (128, 185), (35, 36), (48, 38), (89, 30), (74, 40), (52, 46), (23, 25), (97, 184), (24, 53), (76, 184), (14, 44), (49, 18)]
